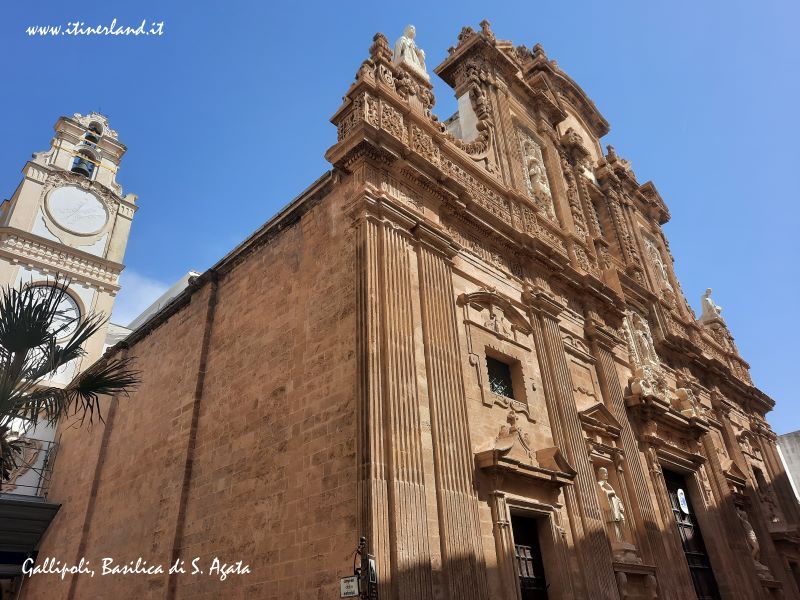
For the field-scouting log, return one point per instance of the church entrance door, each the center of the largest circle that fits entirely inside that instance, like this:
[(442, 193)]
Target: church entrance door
[(705, 584)]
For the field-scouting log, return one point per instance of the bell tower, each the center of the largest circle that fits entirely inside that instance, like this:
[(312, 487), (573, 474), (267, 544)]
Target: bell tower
[(69, 218)]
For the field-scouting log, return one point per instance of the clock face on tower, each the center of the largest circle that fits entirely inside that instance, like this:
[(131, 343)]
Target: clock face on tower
[(76, 210), (68, 313)]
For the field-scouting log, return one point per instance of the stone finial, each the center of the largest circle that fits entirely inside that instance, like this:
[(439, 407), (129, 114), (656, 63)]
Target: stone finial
[(407, 52), (486, 30), (465, 33), (380, 47), (538, 51)]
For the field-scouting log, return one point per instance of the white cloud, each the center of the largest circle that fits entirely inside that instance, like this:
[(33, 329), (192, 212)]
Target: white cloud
[(137, 293)]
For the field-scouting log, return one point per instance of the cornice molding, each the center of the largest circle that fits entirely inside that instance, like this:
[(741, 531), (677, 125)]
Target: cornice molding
[(26, 248)]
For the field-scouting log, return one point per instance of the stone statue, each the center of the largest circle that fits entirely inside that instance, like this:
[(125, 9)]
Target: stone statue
[(533, 164), (711, 310), (615, 504), (644, 341), (658, 262), (752, 540), (406, 51)]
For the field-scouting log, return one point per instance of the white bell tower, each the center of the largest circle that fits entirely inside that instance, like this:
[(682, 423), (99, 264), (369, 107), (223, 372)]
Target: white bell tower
[(68, 217)]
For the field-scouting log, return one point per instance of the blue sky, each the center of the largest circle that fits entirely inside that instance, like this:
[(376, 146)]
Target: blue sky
[(226, 119)]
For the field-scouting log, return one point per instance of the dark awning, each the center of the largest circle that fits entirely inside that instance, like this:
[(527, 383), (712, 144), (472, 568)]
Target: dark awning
[(23, 521)]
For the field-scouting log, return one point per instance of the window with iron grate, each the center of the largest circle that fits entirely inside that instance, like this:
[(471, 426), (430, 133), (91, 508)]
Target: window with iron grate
[(500, 381)]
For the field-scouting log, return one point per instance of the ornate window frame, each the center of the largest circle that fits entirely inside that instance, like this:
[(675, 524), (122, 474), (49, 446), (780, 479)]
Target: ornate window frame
[(495, 328)]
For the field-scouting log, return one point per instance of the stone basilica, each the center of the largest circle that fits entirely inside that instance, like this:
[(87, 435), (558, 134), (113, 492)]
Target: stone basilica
[(465, 343)]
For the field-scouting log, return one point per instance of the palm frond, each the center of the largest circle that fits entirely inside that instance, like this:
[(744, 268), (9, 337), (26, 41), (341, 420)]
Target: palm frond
[(28, 317), (44, 402), (37, 337), (54, 355), (103, 379)]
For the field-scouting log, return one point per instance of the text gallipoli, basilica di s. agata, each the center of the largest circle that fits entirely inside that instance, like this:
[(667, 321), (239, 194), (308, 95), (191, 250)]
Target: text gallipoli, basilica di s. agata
[(464, 343)]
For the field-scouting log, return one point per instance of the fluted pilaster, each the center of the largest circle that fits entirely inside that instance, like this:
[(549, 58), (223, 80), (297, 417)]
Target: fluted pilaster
[(411, 566), (462, 553), (373, 469), (653, 550), (592, 545)]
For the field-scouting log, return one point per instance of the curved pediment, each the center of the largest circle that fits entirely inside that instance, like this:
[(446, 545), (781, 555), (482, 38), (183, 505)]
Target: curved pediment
[(490, 299)]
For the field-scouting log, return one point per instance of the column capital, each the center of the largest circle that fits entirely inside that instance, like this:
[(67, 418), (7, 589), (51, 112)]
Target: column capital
[(597, 331), (542, 302), (435, 240)]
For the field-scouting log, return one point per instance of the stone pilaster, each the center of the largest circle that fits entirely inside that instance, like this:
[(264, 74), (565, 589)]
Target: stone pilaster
[(373, 470), (504, 545), (594, 552), (462, 552), (601, 345), (411, 565)]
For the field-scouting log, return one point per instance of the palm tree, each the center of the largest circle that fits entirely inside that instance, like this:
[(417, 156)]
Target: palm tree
[(37, 336)]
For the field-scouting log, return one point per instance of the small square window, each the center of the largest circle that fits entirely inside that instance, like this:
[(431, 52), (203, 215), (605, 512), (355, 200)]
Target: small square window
[(500, 381)]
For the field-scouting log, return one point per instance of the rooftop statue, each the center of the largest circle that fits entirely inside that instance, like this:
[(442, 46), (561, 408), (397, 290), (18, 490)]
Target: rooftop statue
[(406, 51), (711, 310)]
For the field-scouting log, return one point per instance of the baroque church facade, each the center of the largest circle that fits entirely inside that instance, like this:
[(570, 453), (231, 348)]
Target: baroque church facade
[(465, 343)]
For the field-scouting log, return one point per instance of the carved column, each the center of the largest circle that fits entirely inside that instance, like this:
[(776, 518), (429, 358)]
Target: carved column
[(504, 545), (462, 552), (780, 479), (373, 469), (602, 344), (726, 509), (581, 499), (411, 567), (392, 478)]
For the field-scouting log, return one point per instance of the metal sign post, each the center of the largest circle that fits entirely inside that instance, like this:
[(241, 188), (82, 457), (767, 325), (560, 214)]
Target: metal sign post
[(367, 573), (369, 577)]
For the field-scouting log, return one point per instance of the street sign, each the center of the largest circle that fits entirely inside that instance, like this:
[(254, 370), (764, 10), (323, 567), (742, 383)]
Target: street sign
[(348, 586)]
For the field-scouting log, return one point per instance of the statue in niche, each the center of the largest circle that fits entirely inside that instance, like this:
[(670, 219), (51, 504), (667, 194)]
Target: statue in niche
[(616, 508), (711, 310), (658, 262), (538, 184), (407, 52), (645, 347), (752, 541)]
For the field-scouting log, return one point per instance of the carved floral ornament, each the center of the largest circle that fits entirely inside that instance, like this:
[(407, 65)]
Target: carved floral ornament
[(386, 68)]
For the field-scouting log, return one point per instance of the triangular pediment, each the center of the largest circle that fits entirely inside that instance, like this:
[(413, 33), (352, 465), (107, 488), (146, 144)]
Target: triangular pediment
[(541, 83), (598, 415), (734, 472)]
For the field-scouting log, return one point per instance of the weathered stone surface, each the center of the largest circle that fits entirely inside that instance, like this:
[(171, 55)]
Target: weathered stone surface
[(436, 340)]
